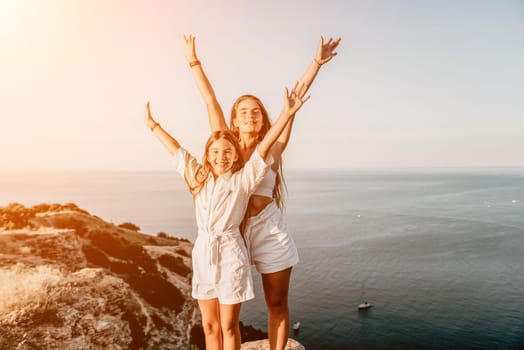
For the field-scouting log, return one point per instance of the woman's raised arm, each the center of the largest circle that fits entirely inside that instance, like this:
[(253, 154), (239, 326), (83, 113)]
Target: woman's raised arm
[(325, 52), (167, 140), (214, 111)]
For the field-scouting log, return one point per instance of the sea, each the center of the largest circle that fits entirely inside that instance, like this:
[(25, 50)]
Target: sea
[(438, 252)]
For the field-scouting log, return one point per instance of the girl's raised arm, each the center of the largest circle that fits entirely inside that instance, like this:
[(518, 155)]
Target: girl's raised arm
[(167, 140), (292, 103), (214, 111)]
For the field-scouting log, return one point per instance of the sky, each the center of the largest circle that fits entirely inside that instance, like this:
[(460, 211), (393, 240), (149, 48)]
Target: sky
[(429, 83)]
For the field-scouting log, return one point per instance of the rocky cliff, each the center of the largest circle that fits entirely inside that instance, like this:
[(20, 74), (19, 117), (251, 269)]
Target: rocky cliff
[(69, 280)]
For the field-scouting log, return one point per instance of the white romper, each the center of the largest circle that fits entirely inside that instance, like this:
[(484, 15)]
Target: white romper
[(271, 247), (220, 260)]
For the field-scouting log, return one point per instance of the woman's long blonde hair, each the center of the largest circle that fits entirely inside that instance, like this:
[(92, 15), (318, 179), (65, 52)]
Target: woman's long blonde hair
[(196, 183), (280, 185)]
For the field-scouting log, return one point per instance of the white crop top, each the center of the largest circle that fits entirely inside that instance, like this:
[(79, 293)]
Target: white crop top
[(265, 188)]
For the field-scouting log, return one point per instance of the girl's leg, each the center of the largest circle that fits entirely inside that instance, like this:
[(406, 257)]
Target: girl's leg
[(210, 310), (229, 321), (276, 288)]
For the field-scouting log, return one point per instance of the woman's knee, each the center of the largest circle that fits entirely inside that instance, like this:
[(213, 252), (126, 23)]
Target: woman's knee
[(276, 289), (277, 302)]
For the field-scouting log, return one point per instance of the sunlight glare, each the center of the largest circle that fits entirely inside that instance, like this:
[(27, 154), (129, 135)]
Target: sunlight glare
[(9, 15)]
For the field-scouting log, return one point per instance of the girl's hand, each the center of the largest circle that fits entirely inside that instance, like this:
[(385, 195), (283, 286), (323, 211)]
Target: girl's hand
[(190, 52), (326, 51), (149, 121), (295, 99)]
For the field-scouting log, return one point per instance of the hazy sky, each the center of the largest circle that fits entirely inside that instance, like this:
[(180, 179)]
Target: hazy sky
[(419, 83)]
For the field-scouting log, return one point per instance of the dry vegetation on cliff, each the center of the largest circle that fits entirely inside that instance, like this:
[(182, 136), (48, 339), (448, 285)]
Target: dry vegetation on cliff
[(70, 280)]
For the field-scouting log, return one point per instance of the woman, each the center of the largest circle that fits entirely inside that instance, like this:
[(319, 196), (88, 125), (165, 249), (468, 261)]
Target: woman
[(221, 187), (270, 246)]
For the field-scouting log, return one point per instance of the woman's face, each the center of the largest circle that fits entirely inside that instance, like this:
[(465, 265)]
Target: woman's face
[(221, 155), (248, 117)]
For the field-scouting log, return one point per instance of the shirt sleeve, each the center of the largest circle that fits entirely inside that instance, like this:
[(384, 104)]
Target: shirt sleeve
[(254, 170), (182, 160)]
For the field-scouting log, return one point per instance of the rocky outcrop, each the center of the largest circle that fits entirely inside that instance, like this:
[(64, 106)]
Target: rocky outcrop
[(264, 345), (69, 280)]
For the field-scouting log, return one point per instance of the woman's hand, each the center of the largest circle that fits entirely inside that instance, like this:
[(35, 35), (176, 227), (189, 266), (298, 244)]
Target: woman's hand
[(295, 99), (149, 121), (326, 51), (190, 51)]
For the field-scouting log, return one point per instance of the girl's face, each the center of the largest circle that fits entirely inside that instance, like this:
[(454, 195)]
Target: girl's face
[(221, 155), (248, 117)]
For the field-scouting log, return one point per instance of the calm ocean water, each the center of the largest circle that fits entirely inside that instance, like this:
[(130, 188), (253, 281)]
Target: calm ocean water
[(439, 253)]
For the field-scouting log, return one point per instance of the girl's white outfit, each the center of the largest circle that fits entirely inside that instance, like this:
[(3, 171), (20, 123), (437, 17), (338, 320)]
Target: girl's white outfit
[(271, 247), (220, 260)]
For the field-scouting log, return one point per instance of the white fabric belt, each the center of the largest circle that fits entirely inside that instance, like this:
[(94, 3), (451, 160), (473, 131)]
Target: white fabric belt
[(214, 242)]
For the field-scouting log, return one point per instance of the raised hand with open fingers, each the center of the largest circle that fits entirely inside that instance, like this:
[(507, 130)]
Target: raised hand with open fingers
[(190, 52), (326, 50), (296, 98)]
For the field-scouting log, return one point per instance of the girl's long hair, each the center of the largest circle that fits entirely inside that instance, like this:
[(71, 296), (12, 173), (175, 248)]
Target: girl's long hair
[(280, 189), (203, 170)]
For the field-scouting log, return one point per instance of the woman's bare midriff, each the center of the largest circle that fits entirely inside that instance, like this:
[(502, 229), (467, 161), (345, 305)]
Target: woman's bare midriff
[(257, 204)]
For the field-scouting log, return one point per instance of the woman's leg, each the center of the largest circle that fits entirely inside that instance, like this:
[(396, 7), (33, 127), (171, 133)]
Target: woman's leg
[(210, 310), (229, 321), (276, 288)]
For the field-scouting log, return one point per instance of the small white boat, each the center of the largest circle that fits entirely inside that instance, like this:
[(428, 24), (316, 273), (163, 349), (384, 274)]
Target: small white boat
[(296, 326), (365, 305)]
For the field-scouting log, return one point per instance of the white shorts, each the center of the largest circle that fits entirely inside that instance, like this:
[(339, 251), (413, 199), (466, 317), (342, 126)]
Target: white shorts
[(221, 269), (271, 247)]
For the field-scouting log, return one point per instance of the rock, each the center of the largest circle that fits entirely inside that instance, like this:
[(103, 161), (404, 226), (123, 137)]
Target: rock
[(69, 280), (292, 344)]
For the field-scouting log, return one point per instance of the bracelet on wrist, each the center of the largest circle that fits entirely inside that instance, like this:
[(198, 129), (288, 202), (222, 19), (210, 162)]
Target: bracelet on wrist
[(154, 126), (194, 63), (317, 62)]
